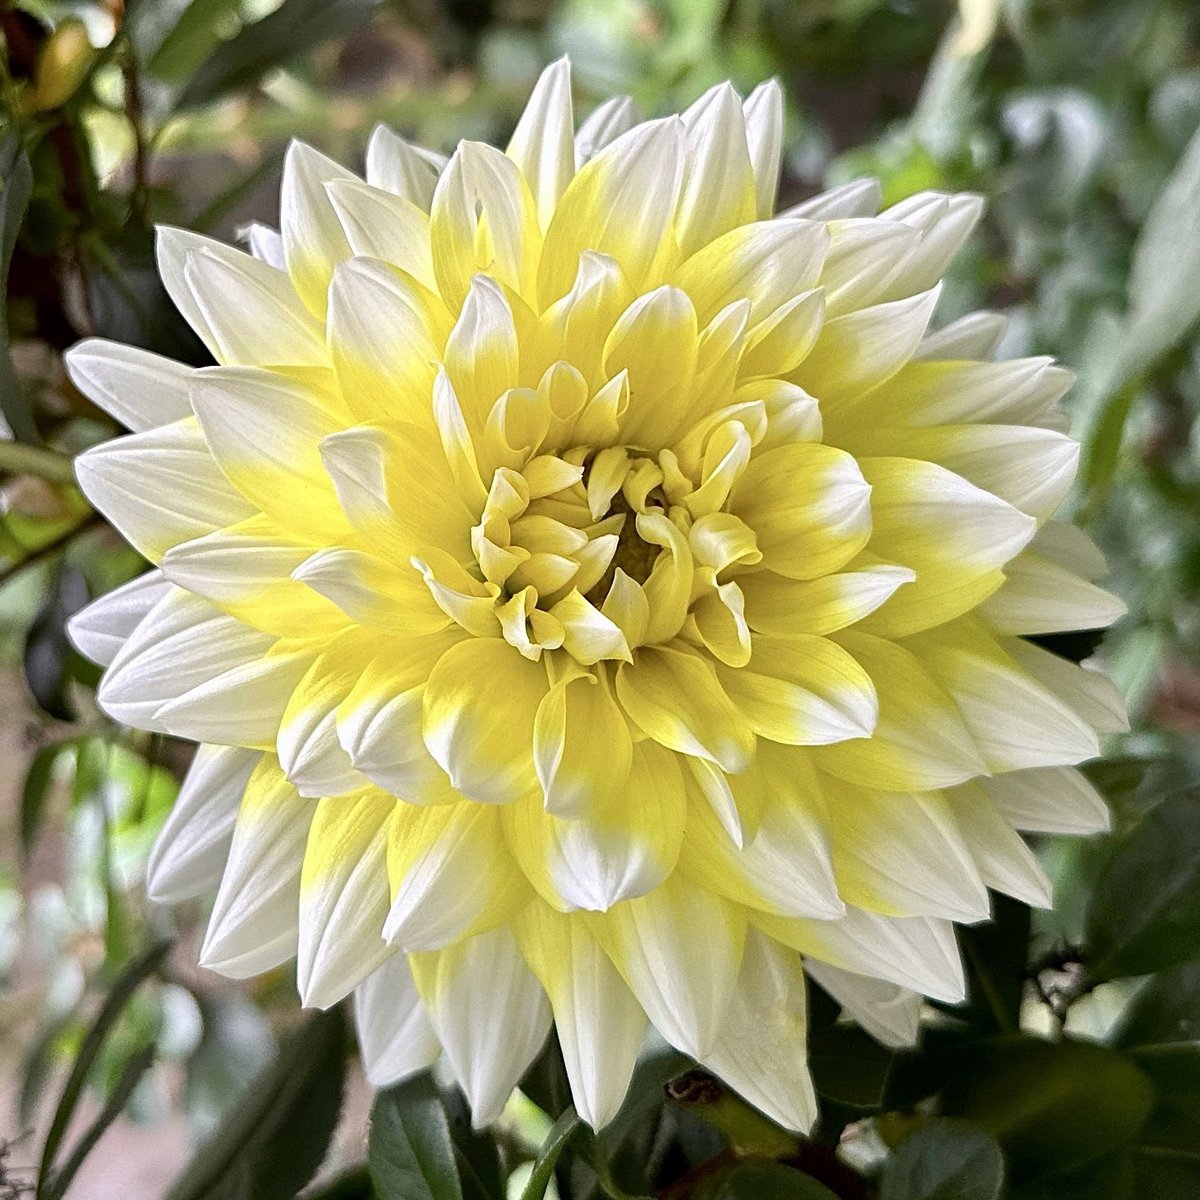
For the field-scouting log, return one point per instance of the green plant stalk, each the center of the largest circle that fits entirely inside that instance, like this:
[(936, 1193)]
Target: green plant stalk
[(22, 459)]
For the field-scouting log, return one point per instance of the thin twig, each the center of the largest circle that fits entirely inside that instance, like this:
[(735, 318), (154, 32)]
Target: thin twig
[(52, 547), (22, 459)]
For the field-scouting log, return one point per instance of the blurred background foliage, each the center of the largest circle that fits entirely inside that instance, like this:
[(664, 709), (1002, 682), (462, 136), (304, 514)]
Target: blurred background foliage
[(1073, 1072)]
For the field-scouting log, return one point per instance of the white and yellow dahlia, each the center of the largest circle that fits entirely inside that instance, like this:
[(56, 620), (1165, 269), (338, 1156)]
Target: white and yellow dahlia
[(599, 599)]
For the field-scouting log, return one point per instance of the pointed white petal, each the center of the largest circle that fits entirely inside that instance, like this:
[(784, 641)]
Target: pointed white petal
[(99, 631), (255, 919), (890, 1014), (489, 1043), (543, 143), (603, 125), (763, 111), (343, 897), (858, 198), (600, 1024), (913, 952), (383, 226), (399, 168), (977, 335), (679, 948), (431, 852), (192, 846), (265, 244), (160, 488), (902, 855), (181, 643), (1049, 800), (313, 239), (140, 389), (1005, 862), (394, 1032), (760, 1048)]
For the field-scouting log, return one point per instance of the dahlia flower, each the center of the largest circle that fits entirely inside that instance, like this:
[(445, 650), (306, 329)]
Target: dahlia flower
[(599, 599)]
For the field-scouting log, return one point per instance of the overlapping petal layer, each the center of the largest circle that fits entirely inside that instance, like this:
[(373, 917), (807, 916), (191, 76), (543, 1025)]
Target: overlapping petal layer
[(599, 599)]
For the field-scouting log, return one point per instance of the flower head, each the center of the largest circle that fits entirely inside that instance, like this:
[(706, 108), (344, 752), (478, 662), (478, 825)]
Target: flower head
[(598, 599)]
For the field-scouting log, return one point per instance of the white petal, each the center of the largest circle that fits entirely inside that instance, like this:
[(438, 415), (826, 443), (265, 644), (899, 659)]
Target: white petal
[(1005, 862), (140, 389), (914, 952), (1040, 596), (239, 706), (397, 167), (217, 287), (265, 244), (718, 192), (760, 1048), (380, 225), (1014, 720), (160, 488), (255, 919), (488, 1042), (625, 845), (191, 848), (858, 198), (763, 111), (182, 642), (1087, 692), (603, 125), (394, 1032), (343, 897), (787, 867), (432, 852), (1049, 800), (600, 1024), (902, 855), (309, 749), (977, 335), (679, 948), (890, 1014), (945, 223), (860, 351), (99, 631), (543, 143), (1070, 548), (313, 239)]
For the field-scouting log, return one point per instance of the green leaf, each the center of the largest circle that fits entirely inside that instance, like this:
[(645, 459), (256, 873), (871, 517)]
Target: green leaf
[(1164, 305), (1163, 297), (560, 1134), (1145, 908), (475, 1152), (1108, 1178), (996, 954), (114, 1004), (131, 1075), (294, 28), (771, 1181), (1166, 1011), (1054, 1107), (352, 1184), (35, 794), (271, 1144), (410, 1154), (48, 654), (944, 1160), (849, 1066), (16, 184), (173, 37)]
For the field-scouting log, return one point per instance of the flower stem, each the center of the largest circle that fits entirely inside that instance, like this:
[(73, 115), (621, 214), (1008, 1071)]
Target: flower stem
[(21, 459)]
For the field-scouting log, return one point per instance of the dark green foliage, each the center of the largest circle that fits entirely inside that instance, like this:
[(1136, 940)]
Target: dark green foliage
[(272, 1142)]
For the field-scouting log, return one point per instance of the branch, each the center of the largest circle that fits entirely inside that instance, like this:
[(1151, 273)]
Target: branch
[(22, 459)]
